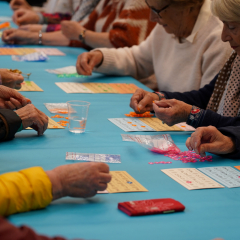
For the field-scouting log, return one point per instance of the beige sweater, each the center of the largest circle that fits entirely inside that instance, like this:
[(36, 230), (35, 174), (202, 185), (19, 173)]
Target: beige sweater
[(178, 66)]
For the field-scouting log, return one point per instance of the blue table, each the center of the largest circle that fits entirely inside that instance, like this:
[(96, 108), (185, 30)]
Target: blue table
[(209, 213)]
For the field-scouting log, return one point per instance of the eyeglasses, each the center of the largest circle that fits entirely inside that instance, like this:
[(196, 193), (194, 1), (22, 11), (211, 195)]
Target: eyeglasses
[(157, 11)]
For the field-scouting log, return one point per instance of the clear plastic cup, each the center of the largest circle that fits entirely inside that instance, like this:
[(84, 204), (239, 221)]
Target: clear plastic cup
[(77, 114)]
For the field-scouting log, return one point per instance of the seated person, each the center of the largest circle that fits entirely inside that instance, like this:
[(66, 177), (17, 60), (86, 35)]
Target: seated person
[(110, 24), (183, 62), (34, 188), (75, 10), (25, 116), (223, 141), (10, 79), (217, 103)]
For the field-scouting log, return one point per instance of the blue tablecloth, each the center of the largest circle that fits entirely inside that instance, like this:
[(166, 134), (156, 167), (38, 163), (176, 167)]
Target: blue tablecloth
[(209, 213)]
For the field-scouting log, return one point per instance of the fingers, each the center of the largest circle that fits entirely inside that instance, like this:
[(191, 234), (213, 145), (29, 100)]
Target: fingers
[(104, 179), (7, 34), (18, 79), (32, 117), (26, 101), (25, 27), (142, 100), (87, 61), (188, 144), (163, 103), (9, 105), (15, 103), (196, 140), (41, 121)]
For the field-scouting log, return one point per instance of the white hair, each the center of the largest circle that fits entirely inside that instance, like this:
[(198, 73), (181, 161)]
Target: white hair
[(226, 10)]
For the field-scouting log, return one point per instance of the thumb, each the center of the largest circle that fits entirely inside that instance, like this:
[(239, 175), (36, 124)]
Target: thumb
[(94, 61), (163, 103)]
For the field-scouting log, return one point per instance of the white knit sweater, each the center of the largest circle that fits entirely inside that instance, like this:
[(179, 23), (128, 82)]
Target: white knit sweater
[(178, 66)]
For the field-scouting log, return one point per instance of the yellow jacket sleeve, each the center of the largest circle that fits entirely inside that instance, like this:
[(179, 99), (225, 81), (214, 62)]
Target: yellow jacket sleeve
[(25, 190)]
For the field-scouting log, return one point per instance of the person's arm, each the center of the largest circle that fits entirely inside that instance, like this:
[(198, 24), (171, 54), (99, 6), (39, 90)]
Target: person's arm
[(136, 61), (10, 123), (54, 39), (9, 231), (131, 27), (201, 118), (54, 18), (25, 190), (34, 188), (198, 98)]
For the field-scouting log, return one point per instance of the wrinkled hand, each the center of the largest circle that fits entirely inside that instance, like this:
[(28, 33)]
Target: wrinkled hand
[(79, 180), (172, 111), (142, 101), (11, 99), (34, 118), (71, 29), (31, 27), (16, 36), (87, 61), (16, 4), (209, 139), (25, 16), (10, 79)]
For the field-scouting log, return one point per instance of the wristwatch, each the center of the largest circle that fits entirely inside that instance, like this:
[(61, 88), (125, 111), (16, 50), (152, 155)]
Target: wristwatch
[(82, 36), (40, 37)]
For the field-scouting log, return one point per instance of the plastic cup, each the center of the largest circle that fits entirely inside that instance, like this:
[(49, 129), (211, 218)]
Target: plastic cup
[(77, 114)]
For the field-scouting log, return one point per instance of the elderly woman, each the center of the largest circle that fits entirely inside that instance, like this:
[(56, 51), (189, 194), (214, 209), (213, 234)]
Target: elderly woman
[(184, 50), (223, 141), (216, 104), (111, 24)]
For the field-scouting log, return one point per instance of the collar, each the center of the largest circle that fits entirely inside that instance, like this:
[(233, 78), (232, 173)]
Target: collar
[(202, 19)]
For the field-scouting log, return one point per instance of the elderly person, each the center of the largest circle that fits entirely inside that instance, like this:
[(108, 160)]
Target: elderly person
[(223, 141), (25, 116), (111, 24), (216, 104), (184, 50), (34, 188)]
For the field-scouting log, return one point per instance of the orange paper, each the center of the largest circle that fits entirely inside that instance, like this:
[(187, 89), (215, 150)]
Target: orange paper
[(237, 167)]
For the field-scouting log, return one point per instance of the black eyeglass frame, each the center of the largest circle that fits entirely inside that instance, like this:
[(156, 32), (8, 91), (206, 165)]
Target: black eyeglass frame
[(157, 11)]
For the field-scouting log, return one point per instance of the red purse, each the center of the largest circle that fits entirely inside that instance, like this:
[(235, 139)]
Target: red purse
[(152, 206)]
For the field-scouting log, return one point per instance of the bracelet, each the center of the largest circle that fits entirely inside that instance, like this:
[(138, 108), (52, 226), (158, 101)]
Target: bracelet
[(82, 36), (40, 37), (160, 95)]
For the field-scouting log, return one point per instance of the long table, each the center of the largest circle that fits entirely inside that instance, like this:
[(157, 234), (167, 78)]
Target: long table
[(209, 213)]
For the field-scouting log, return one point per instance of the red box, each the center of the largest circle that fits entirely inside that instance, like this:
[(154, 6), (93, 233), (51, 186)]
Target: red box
[(152, 206)]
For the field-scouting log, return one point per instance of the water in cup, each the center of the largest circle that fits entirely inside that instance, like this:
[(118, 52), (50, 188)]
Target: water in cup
[(77, 125), (77, 114)]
